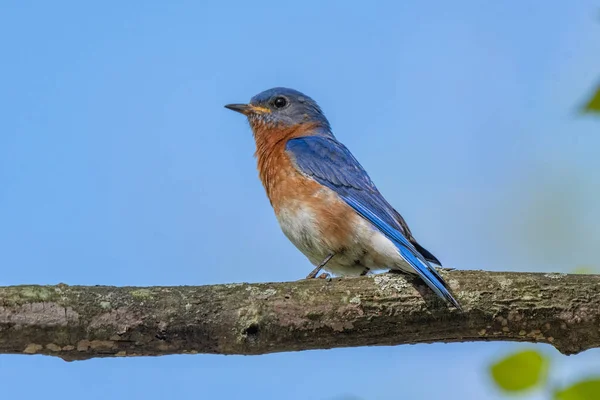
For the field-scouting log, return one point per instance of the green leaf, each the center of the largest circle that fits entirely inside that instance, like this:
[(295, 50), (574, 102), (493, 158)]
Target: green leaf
[(584, 390), (584, 269), (520, 371), (594, 104)]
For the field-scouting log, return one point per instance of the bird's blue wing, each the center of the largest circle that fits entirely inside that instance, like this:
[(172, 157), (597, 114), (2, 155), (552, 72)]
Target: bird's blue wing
[(331, 164)]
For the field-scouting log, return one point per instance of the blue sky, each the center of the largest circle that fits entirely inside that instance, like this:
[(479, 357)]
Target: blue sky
[(120, 166)]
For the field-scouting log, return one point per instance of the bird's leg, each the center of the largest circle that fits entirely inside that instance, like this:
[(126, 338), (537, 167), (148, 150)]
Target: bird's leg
[(366, 271), (315, 271)]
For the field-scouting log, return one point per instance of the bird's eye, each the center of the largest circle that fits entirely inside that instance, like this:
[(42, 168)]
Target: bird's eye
[(280, 102)]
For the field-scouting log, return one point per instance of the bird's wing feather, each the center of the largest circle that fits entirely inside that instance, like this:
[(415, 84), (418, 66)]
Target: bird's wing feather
[(331, 164)]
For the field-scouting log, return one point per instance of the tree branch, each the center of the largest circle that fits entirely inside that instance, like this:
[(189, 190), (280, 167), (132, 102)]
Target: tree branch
[(77, 322)]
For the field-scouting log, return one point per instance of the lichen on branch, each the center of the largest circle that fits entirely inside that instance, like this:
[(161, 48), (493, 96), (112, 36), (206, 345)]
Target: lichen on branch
[(78, 322)]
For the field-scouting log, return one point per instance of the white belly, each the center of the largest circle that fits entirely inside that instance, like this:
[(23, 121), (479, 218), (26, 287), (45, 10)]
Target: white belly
[(365, 248)]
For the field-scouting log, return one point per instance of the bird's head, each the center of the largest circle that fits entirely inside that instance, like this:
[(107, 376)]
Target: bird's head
[(281, 107)]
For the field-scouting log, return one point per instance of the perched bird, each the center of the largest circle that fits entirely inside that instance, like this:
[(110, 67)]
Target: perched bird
[(325, 202)]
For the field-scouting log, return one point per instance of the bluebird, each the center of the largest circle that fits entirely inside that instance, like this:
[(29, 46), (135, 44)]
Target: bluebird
[(325, 202)]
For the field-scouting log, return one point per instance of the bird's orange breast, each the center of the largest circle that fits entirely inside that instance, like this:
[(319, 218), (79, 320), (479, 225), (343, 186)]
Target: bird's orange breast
[(291, 192), (281, 180)]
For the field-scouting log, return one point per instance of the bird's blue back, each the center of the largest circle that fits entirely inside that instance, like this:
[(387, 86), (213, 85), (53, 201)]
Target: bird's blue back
[(330, 163)]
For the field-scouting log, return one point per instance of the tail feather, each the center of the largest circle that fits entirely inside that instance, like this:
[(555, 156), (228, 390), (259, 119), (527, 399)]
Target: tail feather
[(408, 251), (429, 275), (426, 254)]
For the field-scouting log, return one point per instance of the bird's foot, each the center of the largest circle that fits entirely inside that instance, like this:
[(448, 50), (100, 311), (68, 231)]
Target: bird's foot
[(314, 272), (325, 275)]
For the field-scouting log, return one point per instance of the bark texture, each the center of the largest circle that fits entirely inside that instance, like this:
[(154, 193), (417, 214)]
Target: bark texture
[(77, 322)]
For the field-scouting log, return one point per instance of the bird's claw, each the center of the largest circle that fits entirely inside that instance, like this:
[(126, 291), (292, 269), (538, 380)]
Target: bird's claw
[(325, 275)]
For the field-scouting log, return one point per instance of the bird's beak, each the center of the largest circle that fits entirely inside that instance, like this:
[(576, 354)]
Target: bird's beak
[(247, 109), (241, 108)]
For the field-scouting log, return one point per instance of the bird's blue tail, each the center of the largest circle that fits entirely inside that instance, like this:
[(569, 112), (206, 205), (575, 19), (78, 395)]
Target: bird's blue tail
[(416, 260), (429, 275)]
